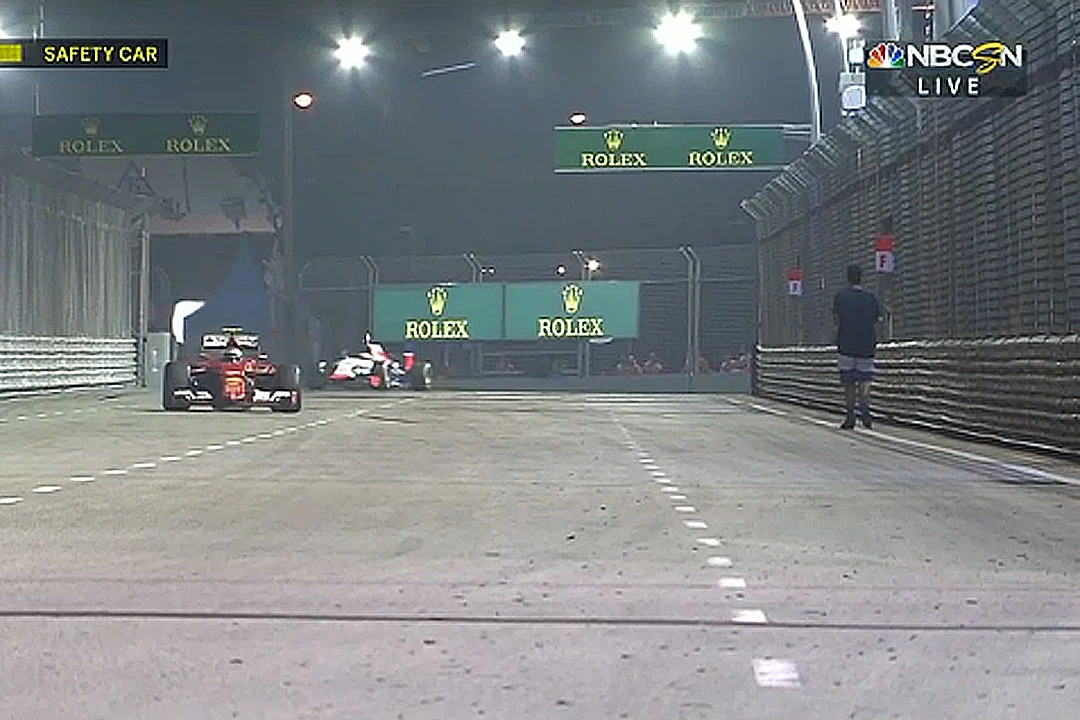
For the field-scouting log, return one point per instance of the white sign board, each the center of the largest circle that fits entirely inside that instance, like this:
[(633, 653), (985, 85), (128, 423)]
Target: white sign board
[(886, 261)]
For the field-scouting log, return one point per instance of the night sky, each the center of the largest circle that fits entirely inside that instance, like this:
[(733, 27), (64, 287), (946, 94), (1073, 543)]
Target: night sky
[(456, 162)]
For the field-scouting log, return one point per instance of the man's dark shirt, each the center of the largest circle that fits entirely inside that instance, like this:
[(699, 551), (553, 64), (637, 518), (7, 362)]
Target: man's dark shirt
[(857, 312)]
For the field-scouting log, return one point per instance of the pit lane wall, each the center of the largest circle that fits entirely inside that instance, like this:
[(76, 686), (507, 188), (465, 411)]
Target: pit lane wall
[(1019, 390)]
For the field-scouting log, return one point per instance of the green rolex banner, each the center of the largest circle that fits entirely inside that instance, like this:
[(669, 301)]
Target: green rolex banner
[(438, 312), (586, 309)]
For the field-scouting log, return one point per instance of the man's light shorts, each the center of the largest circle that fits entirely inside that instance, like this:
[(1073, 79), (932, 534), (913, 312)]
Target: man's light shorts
[(854, 370)]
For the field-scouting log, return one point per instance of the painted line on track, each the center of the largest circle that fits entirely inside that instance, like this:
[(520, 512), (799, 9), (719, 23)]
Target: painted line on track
[(773, 673)]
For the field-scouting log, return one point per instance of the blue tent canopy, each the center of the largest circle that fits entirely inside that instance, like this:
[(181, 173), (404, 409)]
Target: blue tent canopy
[(241, 301)]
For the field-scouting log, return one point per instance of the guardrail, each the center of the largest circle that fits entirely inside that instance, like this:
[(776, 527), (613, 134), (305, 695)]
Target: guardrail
[(46, 363), (1015, 390)]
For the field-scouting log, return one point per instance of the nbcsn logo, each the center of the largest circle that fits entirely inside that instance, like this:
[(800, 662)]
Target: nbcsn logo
[(943, 70)]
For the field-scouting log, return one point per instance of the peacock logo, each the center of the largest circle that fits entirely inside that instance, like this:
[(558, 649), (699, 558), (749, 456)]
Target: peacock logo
[(886, 56)]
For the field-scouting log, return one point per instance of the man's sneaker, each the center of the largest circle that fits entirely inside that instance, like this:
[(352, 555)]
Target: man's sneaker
[(849, 424), (867, 422)]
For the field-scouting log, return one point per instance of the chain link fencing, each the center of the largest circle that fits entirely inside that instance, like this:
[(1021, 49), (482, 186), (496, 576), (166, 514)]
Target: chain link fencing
[(694, 302)]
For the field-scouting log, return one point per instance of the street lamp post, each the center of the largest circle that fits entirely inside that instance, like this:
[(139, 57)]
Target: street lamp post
[(811, 71)]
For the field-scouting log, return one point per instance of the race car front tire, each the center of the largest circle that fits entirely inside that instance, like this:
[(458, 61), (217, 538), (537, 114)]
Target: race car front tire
[(288, 378), (177, 375)]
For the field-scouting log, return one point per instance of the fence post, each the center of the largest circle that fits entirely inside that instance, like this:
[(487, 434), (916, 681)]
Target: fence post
[(372, 283), (144, 300), (691, 356), (477, 348)]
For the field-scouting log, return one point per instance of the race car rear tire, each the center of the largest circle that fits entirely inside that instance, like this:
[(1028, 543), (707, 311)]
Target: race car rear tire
[(288, 378), (175, 376), (420, 377)]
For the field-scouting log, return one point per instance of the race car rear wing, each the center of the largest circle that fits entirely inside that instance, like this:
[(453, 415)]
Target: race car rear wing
[(220, 341)]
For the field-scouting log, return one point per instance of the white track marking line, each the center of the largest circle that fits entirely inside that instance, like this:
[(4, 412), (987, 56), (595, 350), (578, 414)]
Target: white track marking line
[(732, 583), (82, 478), (769, 410), (215, 447), (266, 436), (144, 465), (58, 412), (321, 422), (21, 417), (670, 489), (45, 489), (232, 443), (776, 673), (42, 415), (249, 440), (675, 497), (116, 472), (685, 509), (696, 524), (662, 480), (817, 421), (279, 433), (10, 500), (290, 430), (756, 617), (1023, 469), (719, 561), (193, 453), (170, 458), (709, 542)]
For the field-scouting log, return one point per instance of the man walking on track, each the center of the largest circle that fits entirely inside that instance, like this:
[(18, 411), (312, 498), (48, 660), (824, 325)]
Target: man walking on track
[(857, 314)]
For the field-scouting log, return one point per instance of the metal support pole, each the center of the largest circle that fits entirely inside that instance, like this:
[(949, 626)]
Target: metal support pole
[(583, 347), (697, 303), (811, 72), (477, 348), (144, 298), (691, 355), (39, 33), (890, 20), (372, 283), (286, 249)]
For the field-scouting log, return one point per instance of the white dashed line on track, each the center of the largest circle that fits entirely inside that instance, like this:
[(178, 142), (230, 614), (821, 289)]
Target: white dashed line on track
[(249, 440), (144, 465), (215, 447), (677, 497), (46, 489), (769, 410), (696, 524), (709, 542), (10, 500), (232, 443), (776, 673), (58, 412), (81, 478), (719, 561), (732, 583), (685, 509), (266, 436), (116, 472), (170, 458), (662, 480), (670, 489), (291, 430), (193, 453), (750, 617), (21, 417), (279, 433), (42, 415)]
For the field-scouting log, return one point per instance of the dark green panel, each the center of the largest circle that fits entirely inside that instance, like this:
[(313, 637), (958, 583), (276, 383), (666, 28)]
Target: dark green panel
[(90, 135), (641, 148), (572, 309), (439, 312)]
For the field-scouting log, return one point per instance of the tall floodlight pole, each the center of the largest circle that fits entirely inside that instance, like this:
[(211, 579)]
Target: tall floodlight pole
[(811, 72), (890, 20)]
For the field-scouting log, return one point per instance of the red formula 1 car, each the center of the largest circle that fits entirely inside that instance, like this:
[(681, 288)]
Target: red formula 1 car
[(231, 372)]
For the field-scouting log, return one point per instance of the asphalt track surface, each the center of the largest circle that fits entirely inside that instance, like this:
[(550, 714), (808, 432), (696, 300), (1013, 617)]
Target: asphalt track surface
[(510, 556)]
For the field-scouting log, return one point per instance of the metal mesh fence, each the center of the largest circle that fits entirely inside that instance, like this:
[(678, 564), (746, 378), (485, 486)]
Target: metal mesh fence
[(983, 197), (65, 259), (712, 308)]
